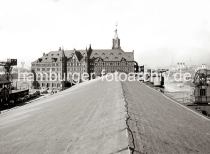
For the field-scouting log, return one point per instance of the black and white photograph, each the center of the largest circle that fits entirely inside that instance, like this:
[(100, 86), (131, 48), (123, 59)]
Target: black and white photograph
[(104, 77)]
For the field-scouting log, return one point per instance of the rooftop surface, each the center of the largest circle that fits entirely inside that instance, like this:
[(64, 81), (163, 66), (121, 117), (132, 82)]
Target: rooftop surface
[(92, 117)]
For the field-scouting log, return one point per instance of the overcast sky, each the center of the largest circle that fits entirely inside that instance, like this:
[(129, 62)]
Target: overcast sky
[(160, 32)]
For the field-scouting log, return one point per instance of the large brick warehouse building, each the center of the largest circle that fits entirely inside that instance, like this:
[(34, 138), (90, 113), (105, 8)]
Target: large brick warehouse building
[(89, 61)]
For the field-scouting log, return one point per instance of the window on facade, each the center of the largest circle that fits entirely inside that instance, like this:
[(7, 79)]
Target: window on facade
[(43, 69), (202, 92), (53, 77)]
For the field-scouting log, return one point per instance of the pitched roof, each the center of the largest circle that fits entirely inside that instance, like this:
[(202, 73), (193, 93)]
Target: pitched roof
[(79, 55), (105, 54), (54, 56), (112, 54)]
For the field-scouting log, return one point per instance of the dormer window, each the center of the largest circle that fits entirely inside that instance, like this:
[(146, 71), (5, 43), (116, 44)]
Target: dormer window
[(54, 59), (123, 59), (40, 59)]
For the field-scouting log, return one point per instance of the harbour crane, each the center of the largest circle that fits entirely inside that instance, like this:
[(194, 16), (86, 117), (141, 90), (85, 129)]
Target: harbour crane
[(6, 80), (8, 65)]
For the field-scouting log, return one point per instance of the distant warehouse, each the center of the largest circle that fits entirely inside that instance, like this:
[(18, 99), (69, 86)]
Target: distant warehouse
[(88, 61)]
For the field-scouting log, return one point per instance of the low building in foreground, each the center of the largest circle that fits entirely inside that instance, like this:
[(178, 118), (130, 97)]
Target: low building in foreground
[(61, 63), (202, 86)]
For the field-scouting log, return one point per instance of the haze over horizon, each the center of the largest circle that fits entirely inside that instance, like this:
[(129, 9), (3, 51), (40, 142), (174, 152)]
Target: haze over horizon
[(161, 32)]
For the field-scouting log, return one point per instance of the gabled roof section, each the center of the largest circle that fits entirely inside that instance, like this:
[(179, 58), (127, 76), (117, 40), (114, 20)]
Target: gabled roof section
[(54, 56), (105, 54), (79, 55), (112, 54)]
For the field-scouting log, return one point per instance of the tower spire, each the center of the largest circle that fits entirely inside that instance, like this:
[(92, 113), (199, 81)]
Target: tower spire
[(116, 35)]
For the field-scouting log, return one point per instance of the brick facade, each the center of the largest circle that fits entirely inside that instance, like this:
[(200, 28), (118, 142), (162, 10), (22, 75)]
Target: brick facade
[(64, 62)]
